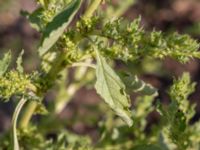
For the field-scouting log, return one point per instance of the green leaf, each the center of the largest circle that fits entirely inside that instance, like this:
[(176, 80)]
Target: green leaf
[(56, 27), (41, 109), (137, 85), (19, 62), (35, 18), (5, 62), (110, 87), (14, 123)]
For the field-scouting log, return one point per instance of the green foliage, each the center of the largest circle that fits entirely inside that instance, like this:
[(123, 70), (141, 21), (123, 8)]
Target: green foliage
[(56, 27), (92, 42), (179, 93), (36, 19), (4, 63), (19, 62), (178, 114), (136, 85), (132, 42), (45, 13), (112, 89)]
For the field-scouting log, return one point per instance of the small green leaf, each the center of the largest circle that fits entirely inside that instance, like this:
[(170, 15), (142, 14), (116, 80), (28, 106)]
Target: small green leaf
[(112, 89), (41, 109), (35, 18), (137, 85), (5, 62), (19, 62), (56, 27)]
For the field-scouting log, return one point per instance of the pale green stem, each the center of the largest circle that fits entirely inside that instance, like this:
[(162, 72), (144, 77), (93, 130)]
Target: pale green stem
[(28, 112), (91, 9), (65, 94), (83, 64), (51, 76), (113, 14), (64, 97), (80, 72), (55, 69), (14, 123)]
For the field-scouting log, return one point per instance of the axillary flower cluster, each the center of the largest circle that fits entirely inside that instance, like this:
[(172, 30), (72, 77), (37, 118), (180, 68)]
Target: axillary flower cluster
[(13, 83)]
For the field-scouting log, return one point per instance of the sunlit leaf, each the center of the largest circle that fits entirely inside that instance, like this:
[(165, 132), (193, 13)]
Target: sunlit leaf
[(57, 26), (19, 62), (35, 18), (112, 89), (5, 62), (136, 85)]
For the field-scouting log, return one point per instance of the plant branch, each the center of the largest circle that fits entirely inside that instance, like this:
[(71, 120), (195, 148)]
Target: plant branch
[(83, 64), (94, 5), (14, 123), (51, 76), (55, 69), (80, 72), (30, 108)]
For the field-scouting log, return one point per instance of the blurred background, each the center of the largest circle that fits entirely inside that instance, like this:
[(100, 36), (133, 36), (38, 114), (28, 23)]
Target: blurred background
[(182, 16)]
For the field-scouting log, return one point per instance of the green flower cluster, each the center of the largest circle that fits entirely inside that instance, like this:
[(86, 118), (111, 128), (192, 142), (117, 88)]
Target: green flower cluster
[(179, 93), (87, 25), (130, 42), (177, 116), (13, 83), (72, 50)]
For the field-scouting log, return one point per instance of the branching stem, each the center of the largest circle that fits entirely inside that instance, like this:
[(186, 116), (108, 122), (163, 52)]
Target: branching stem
[(54, 71), (83, 64)]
